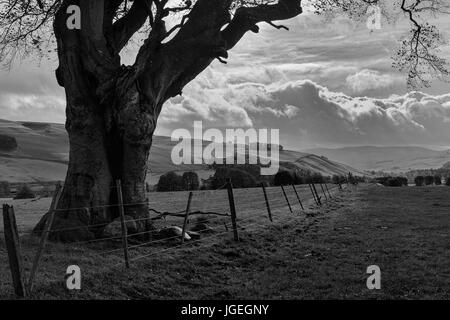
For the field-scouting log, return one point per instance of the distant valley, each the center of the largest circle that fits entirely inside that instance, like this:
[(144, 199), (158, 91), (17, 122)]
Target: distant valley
[(390, 159)]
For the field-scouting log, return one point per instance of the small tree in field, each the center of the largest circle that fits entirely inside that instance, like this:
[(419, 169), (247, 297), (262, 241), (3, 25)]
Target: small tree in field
[(4, 189), (239, 178), (190, 181), (447, 181), (419, 180), (169, 182), (429, 180), (24, 192), (437, 180), (283, 178)]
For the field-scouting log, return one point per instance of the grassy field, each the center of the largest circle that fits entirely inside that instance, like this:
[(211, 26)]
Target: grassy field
[(320, 253)]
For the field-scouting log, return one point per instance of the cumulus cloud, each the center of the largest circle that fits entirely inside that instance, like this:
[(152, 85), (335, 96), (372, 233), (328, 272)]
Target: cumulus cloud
[(309, 114), (366, 81), (347, 99)]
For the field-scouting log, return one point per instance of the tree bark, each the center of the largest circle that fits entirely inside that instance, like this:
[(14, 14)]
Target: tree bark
[(110, 125), (106, 143)]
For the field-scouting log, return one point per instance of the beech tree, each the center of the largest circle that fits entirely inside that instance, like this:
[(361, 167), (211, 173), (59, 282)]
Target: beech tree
[(112, 109)]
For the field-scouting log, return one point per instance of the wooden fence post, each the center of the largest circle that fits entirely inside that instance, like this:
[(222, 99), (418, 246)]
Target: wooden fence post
[(312, 192), (44, 235), (298, 198), (123, 224), (13, 247), (287, 200), (232, 209), (267, 202), (186, 216), (329, 194), (317, 195), (323, 191)]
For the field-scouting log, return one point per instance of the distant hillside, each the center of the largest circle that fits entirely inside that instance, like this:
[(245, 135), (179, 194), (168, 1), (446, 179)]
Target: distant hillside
[(42, 155), (393, 159)]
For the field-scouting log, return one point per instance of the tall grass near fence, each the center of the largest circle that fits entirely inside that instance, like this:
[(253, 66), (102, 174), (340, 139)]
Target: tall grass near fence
[(223, 212)]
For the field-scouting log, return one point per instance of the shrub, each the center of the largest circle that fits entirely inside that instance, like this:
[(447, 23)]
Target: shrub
[(24, 192), (447, 181), (393, 181), (4, 189), (419, 180), (336, 179), (317, 178), (7, 143), (239, 178), (284, 178), (169, 181), (437, 180), (429, 180), (190, 181)]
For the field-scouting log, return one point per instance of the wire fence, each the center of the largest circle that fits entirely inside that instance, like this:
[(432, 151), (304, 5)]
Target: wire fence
[(212, 214)]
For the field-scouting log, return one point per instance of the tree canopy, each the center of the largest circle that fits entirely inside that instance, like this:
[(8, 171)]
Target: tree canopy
[(212, 25)]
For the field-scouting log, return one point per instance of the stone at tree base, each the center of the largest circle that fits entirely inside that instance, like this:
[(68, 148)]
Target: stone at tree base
[(130, 223), (172, 232), (114, 229), (194, 235)]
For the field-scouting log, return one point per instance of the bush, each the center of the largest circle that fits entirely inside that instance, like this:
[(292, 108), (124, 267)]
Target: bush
[(317, 178), (438, 180), (429, 180), (392, 181), (239, 178), (190, 181), (7, 143), (169, 181), (4, 189), (284, 178), (447, 181), (419, 180), (396, 182), (336, 179), (24, 192)]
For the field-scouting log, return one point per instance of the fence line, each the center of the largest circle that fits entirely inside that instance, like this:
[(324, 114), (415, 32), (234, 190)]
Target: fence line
[(271, 201)]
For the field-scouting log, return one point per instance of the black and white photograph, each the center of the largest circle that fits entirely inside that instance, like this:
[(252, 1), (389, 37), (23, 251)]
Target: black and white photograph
[(224, 156)]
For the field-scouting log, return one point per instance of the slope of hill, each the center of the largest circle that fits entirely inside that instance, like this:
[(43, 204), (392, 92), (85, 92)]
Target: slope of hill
[(394, 159), (42, 155)]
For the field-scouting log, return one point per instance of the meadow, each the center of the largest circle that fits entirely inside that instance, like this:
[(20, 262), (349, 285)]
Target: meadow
[(319, 253)]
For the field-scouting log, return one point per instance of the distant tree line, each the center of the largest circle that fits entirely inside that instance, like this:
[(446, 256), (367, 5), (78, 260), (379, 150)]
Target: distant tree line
[(171, 181), (246, 176), (430, 180), (285, 177)]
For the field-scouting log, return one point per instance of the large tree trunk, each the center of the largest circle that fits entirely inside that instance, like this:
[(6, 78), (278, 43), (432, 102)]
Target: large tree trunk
[(104, 146), (110, 123)]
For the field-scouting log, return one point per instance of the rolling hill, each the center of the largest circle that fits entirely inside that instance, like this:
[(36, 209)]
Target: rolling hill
[(393, 159), (42, 150)]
